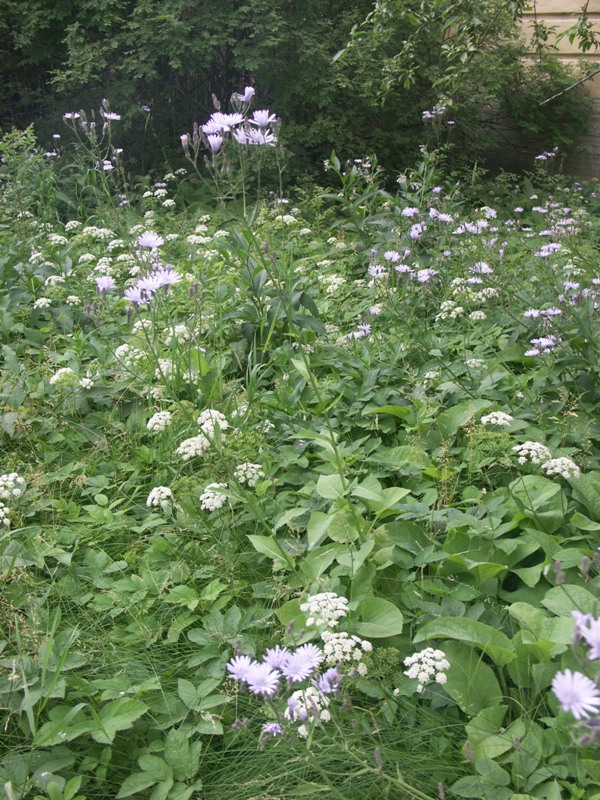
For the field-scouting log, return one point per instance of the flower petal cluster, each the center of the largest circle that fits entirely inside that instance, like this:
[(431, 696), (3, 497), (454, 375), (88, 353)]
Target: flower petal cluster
[(160, 496), (531, 451), (427, 665), (12, 485), (497, 418), (192, 447), (211, 499), (561, 466), (209, 420), (248, 473), (343, 648), (576, 693), (325, 608), (160, 421)]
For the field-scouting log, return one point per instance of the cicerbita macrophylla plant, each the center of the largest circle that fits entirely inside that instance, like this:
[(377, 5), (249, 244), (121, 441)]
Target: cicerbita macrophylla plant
[(228, 138), (299, 684)]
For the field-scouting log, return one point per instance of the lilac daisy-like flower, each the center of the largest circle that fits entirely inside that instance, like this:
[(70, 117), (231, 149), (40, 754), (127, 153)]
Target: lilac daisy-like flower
[(239, 666), (576, 693), (300, 665), (150, 240), (262, 118), (275, 656), (215, 140), (104, 283), (261, 679), (329, 682), (590, 631), (136, 295), (272, 729), (249, 93), (166, 277)]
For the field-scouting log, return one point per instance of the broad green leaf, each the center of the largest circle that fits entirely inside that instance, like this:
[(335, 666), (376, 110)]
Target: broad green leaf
[(270, 547), (118, 715), (331, 487), (470, 681), (67, 724), (183, 596), (493, 642), (449, 421), (564, 599), (379, 618), (155, 766)]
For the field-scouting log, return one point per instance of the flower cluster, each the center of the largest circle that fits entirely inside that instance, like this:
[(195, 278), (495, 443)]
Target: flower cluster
[(64, 377), (160, 496), (427, 665), (325, 608), (11, 485), (497, 418), (192, 447), (342, 648), (248, 473), (211, 500), (209, 420), (4, 515), (532, 451), (561, 466), (576, 693), (160, 421)]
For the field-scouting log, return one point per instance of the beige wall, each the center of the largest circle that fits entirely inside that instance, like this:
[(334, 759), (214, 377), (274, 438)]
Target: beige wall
[(561, 15)]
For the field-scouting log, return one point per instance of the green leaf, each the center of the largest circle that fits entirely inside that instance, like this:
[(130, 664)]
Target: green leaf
[(118, 715), (269, 546), (379, 619), (183, 596), (564, 599), (470, 681), (449, 421), (493, 642), (135, 783), (331, 487), (67, 724), (156, 767)]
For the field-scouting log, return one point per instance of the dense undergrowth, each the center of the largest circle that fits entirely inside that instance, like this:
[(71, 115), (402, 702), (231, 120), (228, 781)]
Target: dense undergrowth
[(209, 417)]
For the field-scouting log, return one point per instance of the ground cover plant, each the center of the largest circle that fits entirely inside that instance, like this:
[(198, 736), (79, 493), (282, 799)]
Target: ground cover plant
[(300, 495)]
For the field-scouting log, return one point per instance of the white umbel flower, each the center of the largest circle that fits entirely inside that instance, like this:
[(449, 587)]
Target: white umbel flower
[(344, 648), (427, 665), (211, 500), (159, 421), (12, 485), (325, 608), (561, 466), (160, 496), (195, 446), (209, 420), (497, 418), (532, 451), (248, 473)]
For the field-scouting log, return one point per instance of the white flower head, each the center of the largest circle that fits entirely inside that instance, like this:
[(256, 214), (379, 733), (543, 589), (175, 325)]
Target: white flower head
[(325, 608)]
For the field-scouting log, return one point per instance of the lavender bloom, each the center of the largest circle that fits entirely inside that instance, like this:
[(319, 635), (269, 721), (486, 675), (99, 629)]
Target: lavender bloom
[(110, 116), (239, 666), (424, 275), (262, 118), (249, 93), (576, 693), (260, 137), (547, 250), (329, 682), (185, 143), (150, 240), (275, 656), (410, 211), (136, 295), (272, 729), (417, 230), (215, 140), (104, 283), (301, 664), (261, 679), (377, 271)]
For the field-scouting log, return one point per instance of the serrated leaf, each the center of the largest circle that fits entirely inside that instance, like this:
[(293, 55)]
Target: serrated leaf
[(118, 715), (135, 783)]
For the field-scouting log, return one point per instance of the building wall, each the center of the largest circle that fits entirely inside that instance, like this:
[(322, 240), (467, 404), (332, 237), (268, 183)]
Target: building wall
[(561, 15)]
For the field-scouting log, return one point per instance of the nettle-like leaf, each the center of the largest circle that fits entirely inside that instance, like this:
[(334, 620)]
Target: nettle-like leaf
[(118, 715)]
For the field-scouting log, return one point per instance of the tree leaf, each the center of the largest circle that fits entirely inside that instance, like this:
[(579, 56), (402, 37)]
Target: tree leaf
[(493, 642), (379, 618)]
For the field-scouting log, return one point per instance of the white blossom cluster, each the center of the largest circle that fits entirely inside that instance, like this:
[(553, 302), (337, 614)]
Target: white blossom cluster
[(4, 515), (449, 310), (73, 300), (427, 665), (57, 239), (53, 280), (307, 706), (86, 383), (209, 420), (160, 496), (248, 473), (561, 466), (64, 377), (42, 302), (341, 647), (497, 418), (325, 608), (211, 500), (195, 446), (474, 363), (532, 451), (11, 485), (101, 234), (160, 421), (128, 356), (164, 369), (478, 315)]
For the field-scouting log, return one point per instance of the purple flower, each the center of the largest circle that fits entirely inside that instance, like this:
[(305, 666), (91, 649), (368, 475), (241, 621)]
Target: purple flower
[(150, 240), (410, 212), (275, 656), (261, 679), (262, 118), (136, 295), (110, 116), (300, 665), (576, 693), (589, 629), (249, 93), (417, 230), (547, 250), (166, 277), (377, 271), (424, 275), (239, 666), (329, 682), (215, 140), (104, 283), (272, 729)]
